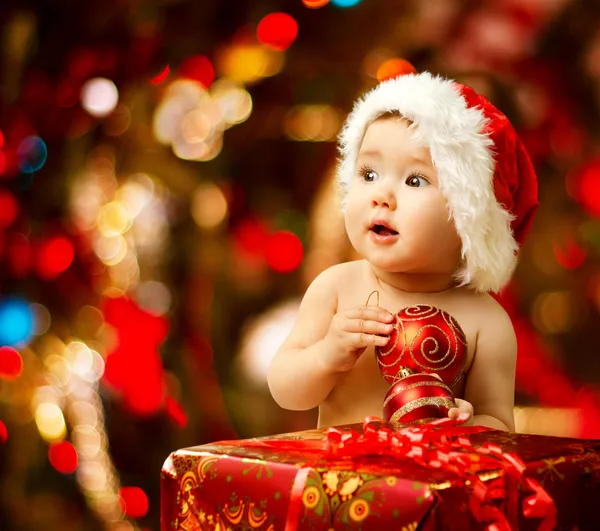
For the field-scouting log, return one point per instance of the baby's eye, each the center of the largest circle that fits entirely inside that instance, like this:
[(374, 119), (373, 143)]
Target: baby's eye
[(369, 175), (416, 181)]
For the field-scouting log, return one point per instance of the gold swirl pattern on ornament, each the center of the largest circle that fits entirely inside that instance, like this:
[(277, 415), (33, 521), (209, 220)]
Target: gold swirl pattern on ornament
[(420, 402), (397, 424), (459, 333), (396, 327), (412, 386), (441, 360), (419, 311)]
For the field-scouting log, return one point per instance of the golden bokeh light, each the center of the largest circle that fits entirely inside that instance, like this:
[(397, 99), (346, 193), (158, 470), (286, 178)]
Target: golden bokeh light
[(209, 206), (314, 123), (114, 219), (247, 63), (50, 422), (111, 250)]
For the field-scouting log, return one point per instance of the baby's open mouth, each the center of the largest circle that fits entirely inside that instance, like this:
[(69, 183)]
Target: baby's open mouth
[(382, 230)]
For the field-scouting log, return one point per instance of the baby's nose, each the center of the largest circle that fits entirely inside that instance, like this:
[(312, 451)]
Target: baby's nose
[(382, 197)]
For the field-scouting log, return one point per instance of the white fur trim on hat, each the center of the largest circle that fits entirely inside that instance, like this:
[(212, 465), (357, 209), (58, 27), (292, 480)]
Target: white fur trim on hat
[(463, 155)]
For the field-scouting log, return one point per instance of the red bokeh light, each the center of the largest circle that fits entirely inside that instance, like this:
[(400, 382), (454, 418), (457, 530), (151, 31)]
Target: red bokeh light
[(251, 236), (63, 457), (9, 209), (3, 433), (570, 255), (11, 363), (277, 30), (176, 412), (3, 162), (1, 139), (199, 68), (393, 68), (160, 77), (134, 502), (55, 256), (284, 251), (139, 335), (583, 184)]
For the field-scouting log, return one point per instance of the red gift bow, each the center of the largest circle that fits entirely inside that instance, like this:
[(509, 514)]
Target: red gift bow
[(430, 447)]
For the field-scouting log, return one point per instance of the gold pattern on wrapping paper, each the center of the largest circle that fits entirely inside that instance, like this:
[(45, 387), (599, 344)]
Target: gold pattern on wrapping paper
[(550, 468), (412, 386), (420, 402), (334, 482), (359, 510)]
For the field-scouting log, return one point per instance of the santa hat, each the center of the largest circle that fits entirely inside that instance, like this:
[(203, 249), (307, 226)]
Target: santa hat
[(483, 169)]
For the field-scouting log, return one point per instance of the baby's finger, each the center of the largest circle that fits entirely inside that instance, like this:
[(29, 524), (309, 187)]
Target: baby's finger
[(370, 313), (368, 327), (361, 340)]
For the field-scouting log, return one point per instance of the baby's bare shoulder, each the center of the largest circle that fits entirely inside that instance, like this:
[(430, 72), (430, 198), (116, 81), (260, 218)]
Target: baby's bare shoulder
[(485, 310), (340, 275)]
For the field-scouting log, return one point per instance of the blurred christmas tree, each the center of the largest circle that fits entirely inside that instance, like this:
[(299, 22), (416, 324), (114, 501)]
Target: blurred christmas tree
[(166, 194)]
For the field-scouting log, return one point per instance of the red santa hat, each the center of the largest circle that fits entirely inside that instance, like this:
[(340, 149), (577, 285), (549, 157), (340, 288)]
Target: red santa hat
[(484, 172)]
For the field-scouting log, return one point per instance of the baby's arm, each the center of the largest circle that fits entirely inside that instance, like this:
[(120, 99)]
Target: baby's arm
[(323, 344), (490, 384)]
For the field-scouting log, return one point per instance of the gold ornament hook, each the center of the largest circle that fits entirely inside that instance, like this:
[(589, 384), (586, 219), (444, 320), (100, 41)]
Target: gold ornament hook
[(370, 295)]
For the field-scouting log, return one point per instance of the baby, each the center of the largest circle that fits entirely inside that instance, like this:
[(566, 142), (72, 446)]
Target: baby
[(439, 194)]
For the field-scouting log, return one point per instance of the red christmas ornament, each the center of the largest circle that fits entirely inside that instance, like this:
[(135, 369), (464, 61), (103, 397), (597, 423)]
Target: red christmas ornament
[(425, 341), (417, 398)]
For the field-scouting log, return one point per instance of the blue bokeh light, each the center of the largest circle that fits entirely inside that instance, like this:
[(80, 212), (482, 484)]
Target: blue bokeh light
[(16, 322), (32, 153), (345, 3)]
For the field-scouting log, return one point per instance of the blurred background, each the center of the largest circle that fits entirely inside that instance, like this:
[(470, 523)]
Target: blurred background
[(167, 194)]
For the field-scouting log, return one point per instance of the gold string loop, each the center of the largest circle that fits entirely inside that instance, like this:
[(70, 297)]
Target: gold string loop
[(377, 298)]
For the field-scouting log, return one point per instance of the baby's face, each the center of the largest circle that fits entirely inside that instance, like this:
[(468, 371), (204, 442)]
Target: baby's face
[(396, 216)]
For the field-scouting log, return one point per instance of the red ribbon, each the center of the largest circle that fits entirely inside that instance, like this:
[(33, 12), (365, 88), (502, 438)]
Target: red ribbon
[(431, 447)]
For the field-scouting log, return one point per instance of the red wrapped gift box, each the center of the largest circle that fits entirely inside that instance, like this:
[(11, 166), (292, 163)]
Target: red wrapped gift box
[(369, 477)]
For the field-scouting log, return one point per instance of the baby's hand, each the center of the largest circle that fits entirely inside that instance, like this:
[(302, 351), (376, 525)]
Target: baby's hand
[(462, 407), (352, 331)]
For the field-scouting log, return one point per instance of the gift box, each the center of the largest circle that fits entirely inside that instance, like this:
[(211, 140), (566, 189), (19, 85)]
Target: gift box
[(438, 476)]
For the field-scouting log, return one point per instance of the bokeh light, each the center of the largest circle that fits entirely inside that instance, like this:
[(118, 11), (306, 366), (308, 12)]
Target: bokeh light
[(314, 123), (99, 97), (11, 363), (247, 63), (154, 297), (315, 4), (209, 206), (55, 255), (345, 3), (176, 412), (3, 433), (262, 337), (50, 421), (41, 318), (277, 30), (394, 67), (161, 76), (198, 68), (135, 502), (16, 322), (284, 251), (31, 154), (63, 457), (9, 209)]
